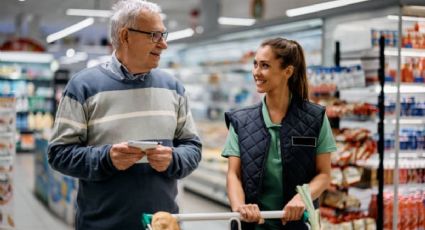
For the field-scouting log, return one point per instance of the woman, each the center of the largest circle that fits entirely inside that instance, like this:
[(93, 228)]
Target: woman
[(280, 143)]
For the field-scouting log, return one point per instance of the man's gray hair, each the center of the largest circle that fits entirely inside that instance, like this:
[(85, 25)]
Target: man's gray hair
[(124, 14)]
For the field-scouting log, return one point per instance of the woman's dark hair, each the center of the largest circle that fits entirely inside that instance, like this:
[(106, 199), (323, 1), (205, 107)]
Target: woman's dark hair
[(289, 52)]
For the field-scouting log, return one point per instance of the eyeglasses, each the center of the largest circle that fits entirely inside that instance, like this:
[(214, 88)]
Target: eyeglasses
[(155, 36)]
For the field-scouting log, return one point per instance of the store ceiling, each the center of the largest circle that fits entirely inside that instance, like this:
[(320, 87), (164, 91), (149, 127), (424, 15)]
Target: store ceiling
[(52, 17)]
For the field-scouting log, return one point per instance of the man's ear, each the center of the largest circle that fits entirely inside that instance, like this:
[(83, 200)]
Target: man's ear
[(289, 71), (123, 36)]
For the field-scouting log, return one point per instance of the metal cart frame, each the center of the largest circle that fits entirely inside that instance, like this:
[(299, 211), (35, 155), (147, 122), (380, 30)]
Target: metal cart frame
[(230, 216)]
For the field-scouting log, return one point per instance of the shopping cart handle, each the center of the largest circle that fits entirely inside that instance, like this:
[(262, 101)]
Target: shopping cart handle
[(147, 218), (224, 215)]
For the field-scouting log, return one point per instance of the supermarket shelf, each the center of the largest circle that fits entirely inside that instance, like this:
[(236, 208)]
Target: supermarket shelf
[(405, 120), (389, 121), (25, 57), (7, 109), (27, 131), (35, 111), (225, 68), (408, 154), (370, 93), (26, 78), (406, 157), (405, 52), (37, 97), (389, 51)]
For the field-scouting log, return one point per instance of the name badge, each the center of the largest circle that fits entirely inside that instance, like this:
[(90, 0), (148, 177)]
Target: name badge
[(304, 141)]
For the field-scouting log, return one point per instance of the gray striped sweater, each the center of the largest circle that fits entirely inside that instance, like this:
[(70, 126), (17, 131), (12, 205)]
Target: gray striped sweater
[(99, 108)]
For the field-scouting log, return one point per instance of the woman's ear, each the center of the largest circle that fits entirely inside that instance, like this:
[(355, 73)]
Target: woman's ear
[(289, 71)]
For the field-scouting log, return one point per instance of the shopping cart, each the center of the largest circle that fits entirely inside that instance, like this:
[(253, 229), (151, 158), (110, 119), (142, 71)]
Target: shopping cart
[(230, 216), (311, 216)]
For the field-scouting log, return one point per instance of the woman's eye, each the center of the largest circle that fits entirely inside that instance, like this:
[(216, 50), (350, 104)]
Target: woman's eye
[(265, 66)]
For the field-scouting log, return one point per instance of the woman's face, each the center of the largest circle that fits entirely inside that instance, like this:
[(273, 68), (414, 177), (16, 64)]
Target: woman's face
[(268, 73)]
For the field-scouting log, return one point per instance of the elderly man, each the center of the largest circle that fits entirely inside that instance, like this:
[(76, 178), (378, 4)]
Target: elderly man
[(105, 106)]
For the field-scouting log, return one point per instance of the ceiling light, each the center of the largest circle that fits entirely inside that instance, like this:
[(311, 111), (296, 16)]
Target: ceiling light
[(180, 34), (96, 13), (406, 18), (236, 21), (320, 7), (70, 52), (70, 30), (89, 13), (199, 29), (295, 26)]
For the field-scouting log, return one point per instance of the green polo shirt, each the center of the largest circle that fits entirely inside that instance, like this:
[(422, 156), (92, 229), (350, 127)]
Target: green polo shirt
[(272, 195)]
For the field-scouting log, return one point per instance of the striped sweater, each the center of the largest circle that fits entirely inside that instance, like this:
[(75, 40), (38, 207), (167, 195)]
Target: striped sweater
[(100, 108)]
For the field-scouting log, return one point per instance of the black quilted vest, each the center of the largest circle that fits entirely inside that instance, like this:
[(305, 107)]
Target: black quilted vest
[(298, 137)]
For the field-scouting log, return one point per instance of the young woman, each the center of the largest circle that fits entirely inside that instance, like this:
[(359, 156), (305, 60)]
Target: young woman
[(280, 143)]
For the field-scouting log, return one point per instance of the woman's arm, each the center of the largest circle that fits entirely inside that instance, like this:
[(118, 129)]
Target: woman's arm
[(234, 184), (249, 212), (323, 177), (295, 207)]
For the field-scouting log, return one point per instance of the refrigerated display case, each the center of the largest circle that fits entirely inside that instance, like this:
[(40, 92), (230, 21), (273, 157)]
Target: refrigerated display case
[(29, 75)]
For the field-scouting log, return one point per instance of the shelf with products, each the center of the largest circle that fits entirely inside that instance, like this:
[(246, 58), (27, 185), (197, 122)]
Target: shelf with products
[(411, 173), (7, 156), (29, 76), (382, 68), (355, 143)]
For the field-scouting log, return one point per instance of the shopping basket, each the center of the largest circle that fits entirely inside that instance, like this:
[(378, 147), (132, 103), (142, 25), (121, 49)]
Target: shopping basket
[(231, 216)]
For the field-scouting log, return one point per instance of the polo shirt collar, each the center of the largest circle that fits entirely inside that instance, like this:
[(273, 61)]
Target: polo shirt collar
[(266, 115), (123, 72)]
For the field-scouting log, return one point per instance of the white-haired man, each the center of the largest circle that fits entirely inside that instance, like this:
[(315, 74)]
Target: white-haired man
[(125, 99)]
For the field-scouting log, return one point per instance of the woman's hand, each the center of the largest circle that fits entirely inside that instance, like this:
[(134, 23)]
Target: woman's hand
[(250, 213), (294, 209)]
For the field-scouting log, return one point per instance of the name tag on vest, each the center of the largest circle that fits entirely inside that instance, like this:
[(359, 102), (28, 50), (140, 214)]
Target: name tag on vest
[(304, 141)]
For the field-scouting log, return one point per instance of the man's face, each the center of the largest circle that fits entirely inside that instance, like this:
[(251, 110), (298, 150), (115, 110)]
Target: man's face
[(143, 52)]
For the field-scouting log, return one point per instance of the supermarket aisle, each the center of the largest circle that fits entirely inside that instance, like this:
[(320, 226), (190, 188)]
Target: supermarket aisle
[(190, 203), (31, 214)]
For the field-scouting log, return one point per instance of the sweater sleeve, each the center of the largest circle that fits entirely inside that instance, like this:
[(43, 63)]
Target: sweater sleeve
[(187, 151), (67, 150)]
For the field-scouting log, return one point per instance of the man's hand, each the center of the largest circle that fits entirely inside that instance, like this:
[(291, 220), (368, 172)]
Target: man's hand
[(294, 209), (160, 157), (124, 156)]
